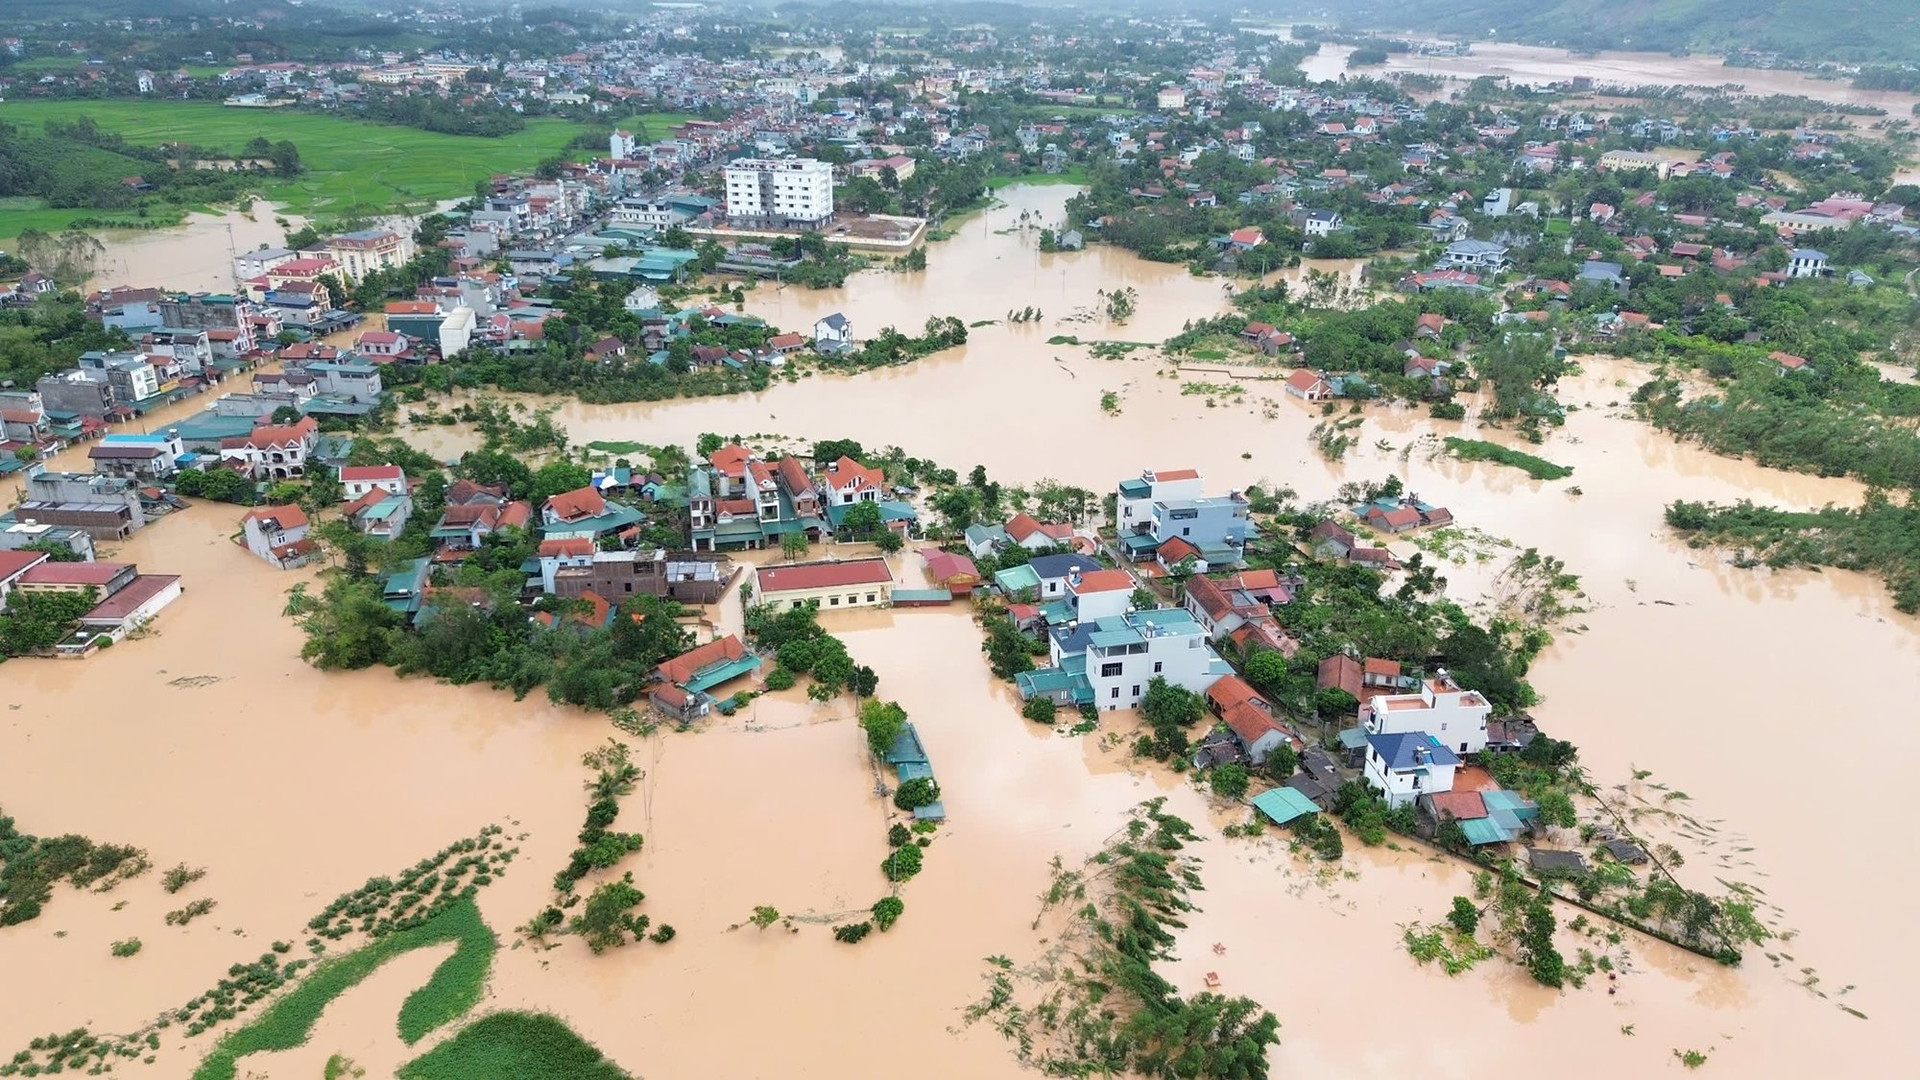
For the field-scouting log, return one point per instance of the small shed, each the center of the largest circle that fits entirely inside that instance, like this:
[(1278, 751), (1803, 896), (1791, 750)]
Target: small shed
[(1283, 804), (922, 597), (1626, 851), (1353, 744), (1545, 861)]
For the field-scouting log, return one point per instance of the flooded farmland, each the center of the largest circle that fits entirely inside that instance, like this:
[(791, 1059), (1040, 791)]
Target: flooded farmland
[(209, 742)]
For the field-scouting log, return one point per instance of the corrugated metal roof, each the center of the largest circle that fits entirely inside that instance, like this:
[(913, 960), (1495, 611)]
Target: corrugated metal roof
[(1283, 804), (1484, 831)]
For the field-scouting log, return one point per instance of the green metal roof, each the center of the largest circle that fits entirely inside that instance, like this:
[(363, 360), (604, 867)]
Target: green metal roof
[(1484, 831), (1353, 738), (1015, 578), (1283, 804), (1107, 639), (708, 677), (1135, 489), (909, 596)]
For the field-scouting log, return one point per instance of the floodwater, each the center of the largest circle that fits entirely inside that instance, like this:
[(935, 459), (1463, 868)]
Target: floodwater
[(293, 785), (194, 256), (1536, 65)]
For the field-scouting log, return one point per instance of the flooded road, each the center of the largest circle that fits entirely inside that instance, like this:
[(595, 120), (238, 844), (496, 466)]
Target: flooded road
[(292, 785)]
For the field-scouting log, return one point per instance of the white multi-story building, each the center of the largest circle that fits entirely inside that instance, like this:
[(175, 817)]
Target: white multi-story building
[(1442, 708), (1406, 766), (1134, 506), (623, 145), (780, 192), (1109, 662)]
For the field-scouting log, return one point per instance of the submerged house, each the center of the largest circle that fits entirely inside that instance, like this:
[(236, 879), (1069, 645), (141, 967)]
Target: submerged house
[(683, 683)]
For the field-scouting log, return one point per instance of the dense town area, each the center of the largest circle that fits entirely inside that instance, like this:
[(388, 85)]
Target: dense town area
[(575, 367)]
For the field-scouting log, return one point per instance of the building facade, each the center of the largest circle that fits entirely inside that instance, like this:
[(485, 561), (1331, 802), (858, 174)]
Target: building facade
[(780, 192)]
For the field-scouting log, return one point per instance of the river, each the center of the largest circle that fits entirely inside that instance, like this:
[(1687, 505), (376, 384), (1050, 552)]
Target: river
[(292, 785)]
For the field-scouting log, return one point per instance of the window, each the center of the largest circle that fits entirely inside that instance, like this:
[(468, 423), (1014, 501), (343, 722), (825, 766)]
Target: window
[(1136, 689), (1463, 748), (1111, 671), (870, 597), (854, 599), (1115, 692), (833, 601), (1156, 667), (1186, 532)]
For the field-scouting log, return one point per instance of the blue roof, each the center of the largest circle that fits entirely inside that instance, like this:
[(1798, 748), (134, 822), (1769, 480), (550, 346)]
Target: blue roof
[(1059, 566), (906, 748), (1398, 750)]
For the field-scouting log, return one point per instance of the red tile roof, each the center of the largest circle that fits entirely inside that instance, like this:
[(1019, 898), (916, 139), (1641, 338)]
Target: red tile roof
[(1096, 581), (135, 593), (73, 573), (287, 517), (1339, 672), (577, 504), (823, 575), (370, 473), (944, 566), (571, 545), (730, 459), (1176, 474), (1231, 690), (1175, 549), (684, 667), (14, 562), (847, 474), (1021, 526), (1463, 805), (1374, 666)]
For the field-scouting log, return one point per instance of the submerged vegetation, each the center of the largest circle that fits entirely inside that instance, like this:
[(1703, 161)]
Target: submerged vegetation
[(525, 1046), (1102, 1008), (1880, 537), (430, 902), (30, 866), (1481, 450)]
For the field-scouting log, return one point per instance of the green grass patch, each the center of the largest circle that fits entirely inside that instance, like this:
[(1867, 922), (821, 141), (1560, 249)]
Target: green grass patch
[(1076, 175), (1558, 227), (1481, 450), (353, 167), (524, 1046), (457, 984), (618, 447), (287, 1022)]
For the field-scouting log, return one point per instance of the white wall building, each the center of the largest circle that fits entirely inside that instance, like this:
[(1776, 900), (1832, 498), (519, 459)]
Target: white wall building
[(780, 191), (623, 145), (357, 480), (1404, 767), (1455, 716), (1137, 496), (1124, 653), (1100, 594)]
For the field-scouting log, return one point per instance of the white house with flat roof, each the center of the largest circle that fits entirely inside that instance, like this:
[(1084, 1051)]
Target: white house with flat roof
[(1441, 708)]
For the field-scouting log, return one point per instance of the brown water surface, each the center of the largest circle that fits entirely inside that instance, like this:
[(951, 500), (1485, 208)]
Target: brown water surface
[(210, 742)]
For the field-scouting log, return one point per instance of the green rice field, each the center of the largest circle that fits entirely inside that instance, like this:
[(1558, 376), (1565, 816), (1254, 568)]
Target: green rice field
[(354, 168)]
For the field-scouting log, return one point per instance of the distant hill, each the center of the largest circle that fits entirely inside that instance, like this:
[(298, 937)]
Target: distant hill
[(1845, 30)]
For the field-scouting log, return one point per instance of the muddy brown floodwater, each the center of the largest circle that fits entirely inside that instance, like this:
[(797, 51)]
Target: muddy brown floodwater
[(209, 742)]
